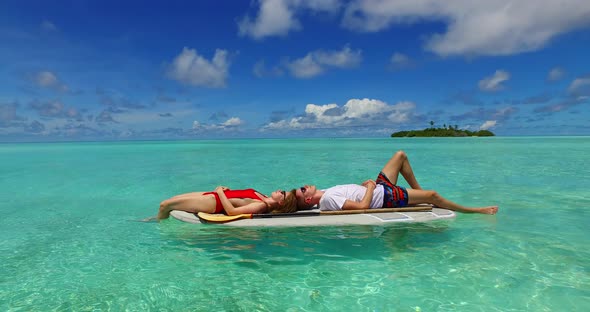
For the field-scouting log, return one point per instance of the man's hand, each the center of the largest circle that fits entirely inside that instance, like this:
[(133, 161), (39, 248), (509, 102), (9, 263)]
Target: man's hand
[(369, 184), (365, 203)]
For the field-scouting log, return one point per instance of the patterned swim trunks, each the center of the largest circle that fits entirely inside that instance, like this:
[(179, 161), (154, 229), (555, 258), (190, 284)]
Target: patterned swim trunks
[(393, 196)]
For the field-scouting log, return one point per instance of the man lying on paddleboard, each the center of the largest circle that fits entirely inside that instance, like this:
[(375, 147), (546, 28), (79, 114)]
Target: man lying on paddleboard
[(382, 193)]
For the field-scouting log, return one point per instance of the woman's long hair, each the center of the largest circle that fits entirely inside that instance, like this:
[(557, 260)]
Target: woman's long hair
[(289, 204)]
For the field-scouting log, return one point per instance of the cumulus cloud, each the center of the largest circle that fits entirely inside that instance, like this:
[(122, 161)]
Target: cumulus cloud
[(278, 17), (473, 28), (47, 79), (192, 69), (556, 74), (563, 105), (580, 87), (504, 113), (117, 102), (400, 60), (487, 125), (55, 109), (232, 123), (501, 27), (8, 115), (317, 62), (354, 113), (494, 82)]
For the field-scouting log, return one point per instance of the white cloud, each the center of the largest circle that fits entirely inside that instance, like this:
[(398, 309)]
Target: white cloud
[(277, 17), (580, 87), (192, 69), (305, 67), (400, 60), (55, 109), (46, 79), (344, 58), (230, 124), (274, 18), (487, 125), (505, 112), (355, 112), (500, 27), (316, 62), (555, 74), (49, 80), (494, 82)]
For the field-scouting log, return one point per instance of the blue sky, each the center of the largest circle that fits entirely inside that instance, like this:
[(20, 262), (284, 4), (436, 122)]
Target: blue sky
[(120, 70)]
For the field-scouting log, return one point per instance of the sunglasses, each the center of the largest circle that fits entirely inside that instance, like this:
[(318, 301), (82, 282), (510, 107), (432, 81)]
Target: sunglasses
[(284, 195), (302, 189)]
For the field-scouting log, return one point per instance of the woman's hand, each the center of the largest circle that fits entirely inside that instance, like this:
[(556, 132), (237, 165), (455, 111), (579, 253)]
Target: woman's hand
[(370, 184), (221, 188)]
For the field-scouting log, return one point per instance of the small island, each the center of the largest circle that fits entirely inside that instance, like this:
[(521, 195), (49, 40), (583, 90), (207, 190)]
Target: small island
[(445, 131)]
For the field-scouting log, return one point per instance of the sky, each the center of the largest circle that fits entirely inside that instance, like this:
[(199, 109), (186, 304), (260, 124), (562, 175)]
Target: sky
[(167, 70)]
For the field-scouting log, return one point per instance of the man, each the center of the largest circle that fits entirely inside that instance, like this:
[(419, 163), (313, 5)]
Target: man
[(382, 193)]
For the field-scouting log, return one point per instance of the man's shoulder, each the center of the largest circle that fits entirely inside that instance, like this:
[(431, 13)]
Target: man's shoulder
[(332, 199)]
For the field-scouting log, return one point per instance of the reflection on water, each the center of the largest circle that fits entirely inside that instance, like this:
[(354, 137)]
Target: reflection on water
[(300, 245)]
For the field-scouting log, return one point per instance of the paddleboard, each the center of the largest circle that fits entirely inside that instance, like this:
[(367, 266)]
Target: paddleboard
[(381, 218)]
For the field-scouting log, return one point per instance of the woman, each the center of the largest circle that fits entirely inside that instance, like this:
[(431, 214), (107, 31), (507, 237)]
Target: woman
[(230, 202)]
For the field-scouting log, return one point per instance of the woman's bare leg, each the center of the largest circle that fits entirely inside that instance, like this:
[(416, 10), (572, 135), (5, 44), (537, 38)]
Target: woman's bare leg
[(190, 202), (432, 197), (397, 164)]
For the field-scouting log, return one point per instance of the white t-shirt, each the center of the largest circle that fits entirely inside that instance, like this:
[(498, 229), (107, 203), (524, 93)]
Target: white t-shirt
[(334, 197)]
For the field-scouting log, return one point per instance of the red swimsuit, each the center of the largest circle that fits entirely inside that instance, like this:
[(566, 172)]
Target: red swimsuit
[(247, 193)]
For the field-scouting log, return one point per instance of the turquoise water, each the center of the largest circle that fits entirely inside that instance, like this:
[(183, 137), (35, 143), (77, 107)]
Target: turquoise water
[(68, 239)]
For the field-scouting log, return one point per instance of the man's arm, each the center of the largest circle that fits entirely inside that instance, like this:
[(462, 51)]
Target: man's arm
[(365, 203)]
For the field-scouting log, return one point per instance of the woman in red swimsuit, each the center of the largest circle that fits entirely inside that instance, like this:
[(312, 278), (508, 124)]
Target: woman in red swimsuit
[(230, 202)]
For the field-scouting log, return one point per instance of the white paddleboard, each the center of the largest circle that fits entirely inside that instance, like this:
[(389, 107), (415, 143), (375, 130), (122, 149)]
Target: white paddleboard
[(381, 218)]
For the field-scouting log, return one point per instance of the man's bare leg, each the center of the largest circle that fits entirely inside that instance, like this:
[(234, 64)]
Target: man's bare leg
[(432, 197), (397, 164)]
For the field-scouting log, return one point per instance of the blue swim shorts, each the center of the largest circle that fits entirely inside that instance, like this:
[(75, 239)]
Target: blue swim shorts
[(393, 196)]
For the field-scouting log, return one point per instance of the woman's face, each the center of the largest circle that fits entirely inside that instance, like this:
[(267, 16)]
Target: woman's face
[(279, 195)]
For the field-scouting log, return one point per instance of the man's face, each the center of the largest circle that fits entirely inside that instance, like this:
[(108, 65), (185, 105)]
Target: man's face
[(304, 194)]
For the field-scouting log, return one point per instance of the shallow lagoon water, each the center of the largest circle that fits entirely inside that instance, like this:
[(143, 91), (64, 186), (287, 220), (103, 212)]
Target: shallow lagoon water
[(70, 239)]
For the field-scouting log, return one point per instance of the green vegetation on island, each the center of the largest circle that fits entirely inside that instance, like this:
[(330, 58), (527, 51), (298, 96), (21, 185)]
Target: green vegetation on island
[(450, 131)]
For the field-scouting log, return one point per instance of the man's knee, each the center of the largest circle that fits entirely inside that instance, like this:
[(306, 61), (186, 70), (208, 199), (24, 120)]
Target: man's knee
[(434, 196), (401, 154)]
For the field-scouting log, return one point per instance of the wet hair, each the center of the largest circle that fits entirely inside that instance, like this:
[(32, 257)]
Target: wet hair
[(289, 204)]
